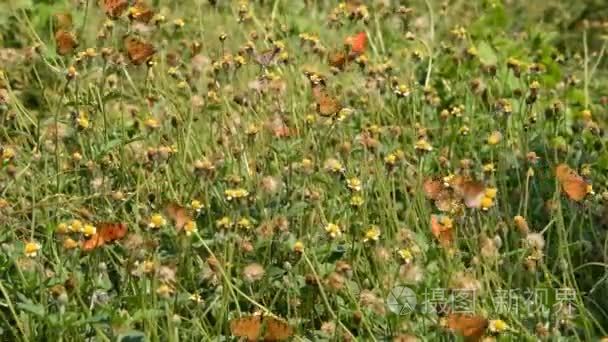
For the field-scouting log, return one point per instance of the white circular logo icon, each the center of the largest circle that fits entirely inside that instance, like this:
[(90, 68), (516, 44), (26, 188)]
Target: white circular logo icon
[(401, 300)]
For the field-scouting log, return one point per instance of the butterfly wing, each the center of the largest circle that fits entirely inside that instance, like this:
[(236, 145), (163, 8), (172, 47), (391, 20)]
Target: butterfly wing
[(138, 51), (178, 214), (357, 43), (115, 8), (575, 187), (94, 242), (432, 188), (443, 234), (112, 231), (249, 327), (276, 329), (65, 41), (472, 327)]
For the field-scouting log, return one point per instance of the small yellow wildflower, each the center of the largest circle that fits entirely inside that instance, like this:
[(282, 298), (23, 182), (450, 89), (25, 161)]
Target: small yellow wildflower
[(190, 227), (244, 223), (179, 23), (491, 192), (390, 159), (31, 249), (356, 201), (333, 230), (83, 120), (489, 168), (157, 221), (195, 297), (89, 229), (197, 205), (498, 326), (152, 123), (70, 243), (464, 130), (494, 138), (423, 145), (406, 255), (298, 247), (62, 228), (164, 290), (354, 184), (487, 203), (224, 222), (333, 165), (235, 193), (446, 222), (402, 90), (372, 234), (75, 226)]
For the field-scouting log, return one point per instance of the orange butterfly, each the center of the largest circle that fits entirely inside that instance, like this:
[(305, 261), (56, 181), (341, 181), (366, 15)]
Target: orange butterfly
[(139, 51), (141, 12), (107, 232), (357, 43), (66, 42), (442, 232), (115, 8), (470, 191), (575, 187), (471, 327), (337, 60), (179, 215), (63, 21), (432, 188), (327, 105), (261, 328)]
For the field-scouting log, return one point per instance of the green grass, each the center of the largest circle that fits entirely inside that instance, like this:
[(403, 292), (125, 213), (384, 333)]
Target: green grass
[(191, 125)]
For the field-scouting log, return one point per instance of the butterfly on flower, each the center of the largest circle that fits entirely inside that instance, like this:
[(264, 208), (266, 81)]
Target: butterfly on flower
[(138, 50), (265, 58), (327, 105), (141, 12), (471, 327), (572, 184), (66, 42), (115, 8), (260, 327), (179, 215), (107, 232), (355, 47), (442, 230)]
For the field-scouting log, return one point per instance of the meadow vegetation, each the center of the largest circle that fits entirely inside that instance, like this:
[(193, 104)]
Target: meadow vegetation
[(275, 170)]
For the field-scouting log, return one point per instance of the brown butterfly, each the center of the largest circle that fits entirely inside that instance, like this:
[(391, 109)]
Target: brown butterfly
[(575, 187), (327, 105), (62, 21), (471, 327), (107, 232), (337, 60), (178, 214), (267, 57), (444, 234), (115, 8), (65, 41), (139, 51), (261, 328), (469, 190), (141, 12)]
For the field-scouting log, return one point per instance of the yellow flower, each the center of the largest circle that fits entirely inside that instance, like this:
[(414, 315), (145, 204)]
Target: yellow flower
[(69, 243), (196, 205), (83, 120), (423, 145), (152, 123), (333, 165), (489, 168), (31, 249), (235, 193), (356, 201), (298, 247), (224, 222), (494, 138), (491, 192), (354, 184), (75, 226), (179, 22), (190, 227), (390, 159), (62, 228), (333, 230), (195, 297), (157, 221), (498, 326), (406, 255), (446, 222), (372, 234), (164, 291), (88, 230), (487, 203), (244, 223)]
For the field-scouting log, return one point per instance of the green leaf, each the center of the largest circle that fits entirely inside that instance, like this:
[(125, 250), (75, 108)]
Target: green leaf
[(32, 308)]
